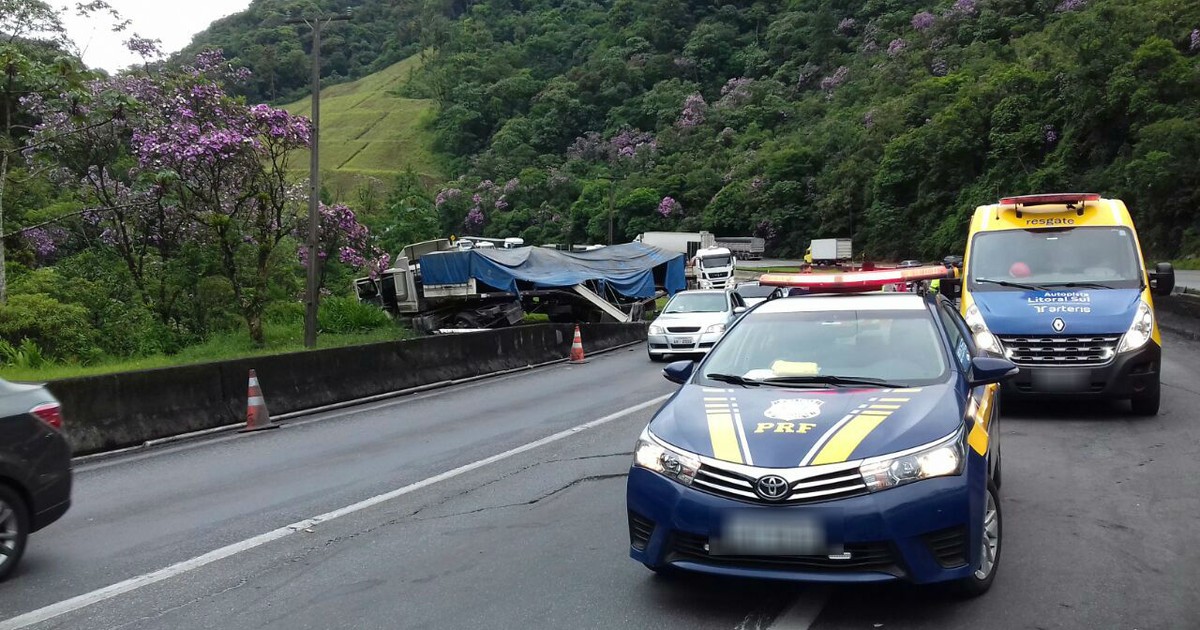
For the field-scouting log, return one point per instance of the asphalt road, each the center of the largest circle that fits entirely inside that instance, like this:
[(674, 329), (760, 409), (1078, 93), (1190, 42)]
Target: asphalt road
[(1099, 515)]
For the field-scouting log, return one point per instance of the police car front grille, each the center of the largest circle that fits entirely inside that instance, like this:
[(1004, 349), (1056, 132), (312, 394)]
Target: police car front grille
[(949, 546), (640, 530), (1061, 350), (870, 556), (840, 484)]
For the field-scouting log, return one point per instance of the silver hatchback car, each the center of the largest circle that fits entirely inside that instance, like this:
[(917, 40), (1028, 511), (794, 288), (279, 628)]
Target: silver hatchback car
[(692, 322)]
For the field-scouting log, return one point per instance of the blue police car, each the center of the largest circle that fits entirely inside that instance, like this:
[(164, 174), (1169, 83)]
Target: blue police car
[(841, 438)]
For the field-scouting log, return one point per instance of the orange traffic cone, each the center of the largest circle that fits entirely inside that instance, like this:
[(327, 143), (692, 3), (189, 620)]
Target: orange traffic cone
[(577, 348), (257, 416)]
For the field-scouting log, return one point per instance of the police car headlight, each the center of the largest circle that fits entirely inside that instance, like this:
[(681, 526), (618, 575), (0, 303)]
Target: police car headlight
[(674, 464), (983, 337), (715, 328), (1140, 330), (656, 330), (943, 459)]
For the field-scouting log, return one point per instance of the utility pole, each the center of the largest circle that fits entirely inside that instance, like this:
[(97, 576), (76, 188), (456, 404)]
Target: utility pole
[(612, 208), (312, 296)]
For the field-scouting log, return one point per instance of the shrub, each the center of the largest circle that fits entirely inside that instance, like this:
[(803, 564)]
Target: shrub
[(348, 315), (61, 330)]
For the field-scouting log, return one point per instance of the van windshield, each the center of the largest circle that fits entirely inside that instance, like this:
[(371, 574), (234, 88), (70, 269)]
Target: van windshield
[(1086, 257)]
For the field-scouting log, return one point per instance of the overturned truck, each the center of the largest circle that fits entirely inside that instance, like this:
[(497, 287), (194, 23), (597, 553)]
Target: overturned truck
[(438, 288)]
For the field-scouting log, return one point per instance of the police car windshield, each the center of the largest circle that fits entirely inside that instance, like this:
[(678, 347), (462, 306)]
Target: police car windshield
[(697, 303), (1086, 257), (887, 346)]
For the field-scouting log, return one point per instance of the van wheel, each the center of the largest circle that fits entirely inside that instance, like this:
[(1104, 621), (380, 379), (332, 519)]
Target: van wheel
[(14, 530), (1147, 405), (984, 574)]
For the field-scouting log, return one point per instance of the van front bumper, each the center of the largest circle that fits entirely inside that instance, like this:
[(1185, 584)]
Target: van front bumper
[(1127, 375)]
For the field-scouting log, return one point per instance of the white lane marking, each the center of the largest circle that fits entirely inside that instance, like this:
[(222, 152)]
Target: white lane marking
[(804, 612), (87, 599)]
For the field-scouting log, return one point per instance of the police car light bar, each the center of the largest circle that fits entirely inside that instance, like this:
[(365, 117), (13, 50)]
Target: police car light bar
[(856, 282), (1049, 199)]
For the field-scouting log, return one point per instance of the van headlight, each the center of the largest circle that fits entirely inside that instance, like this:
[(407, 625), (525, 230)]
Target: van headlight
[(983, 337), (1140, 330), (943, 459), (672, 463)]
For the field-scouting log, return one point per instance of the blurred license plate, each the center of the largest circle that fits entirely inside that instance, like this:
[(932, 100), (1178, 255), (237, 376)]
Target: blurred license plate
[(749, 534), (683, 341), (1062, 380)]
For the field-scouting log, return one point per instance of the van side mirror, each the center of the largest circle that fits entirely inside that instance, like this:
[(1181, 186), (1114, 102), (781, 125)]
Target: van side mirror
[(1162, 279), (986, 370), (679, 372)]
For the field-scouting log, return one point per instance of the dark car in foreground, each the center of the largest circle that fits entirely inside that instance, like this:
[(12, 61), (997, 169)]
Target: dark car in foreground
[(35, 467), (843, 438)]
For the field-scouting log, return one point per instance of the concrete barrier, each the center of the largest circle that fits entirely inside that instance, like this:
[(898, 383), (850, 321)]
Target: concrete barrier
[(127, 409), (1179, 313)]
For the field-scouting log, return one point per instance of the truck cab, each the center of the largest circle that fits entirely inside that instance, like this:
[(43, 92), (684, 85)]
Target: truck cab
[(1058, 285), (714, 268)]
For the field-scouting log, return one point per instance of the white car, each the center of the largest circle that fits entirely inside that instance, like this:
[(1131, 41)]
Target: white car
[(692, 322), (753, 292)]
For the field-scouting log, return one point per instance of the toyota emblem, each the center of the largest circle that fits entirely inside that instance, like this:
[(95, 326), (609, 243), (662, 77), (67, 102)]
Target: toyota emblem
[(772, 487), (1058, 324)]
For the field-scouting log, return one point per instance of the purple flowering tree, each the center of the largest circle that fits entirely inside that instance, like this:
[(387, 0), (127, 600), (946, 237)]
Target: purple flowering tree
[(896, 47), (1067, 6), (1194, 43), (694, 111), (208, 169), (668, 207), (923, 21), (735, 93), (835, 80), (344, 239)]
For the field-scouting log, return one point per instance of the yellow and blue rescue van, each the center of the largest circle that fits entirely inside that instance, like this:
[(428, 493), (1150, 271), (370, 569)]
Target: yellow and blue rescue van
[(1057, 284)]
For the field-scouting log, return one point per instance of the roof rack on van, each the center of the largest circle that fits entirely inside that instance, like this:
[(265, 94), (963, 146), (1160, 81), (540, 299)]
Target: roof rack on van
[(1073, 201)]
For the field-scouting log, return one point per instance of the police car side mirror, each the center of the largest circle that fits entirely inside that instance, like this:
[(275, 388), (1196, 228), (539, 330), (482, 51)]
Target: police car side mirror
[(679, 372), (1162, 279), (987, 370)]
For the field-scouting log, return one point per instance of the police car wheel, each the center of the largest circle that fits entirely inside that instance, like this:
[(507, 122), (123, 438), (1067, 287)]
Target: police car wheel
[(1146, 405), (984, 574)]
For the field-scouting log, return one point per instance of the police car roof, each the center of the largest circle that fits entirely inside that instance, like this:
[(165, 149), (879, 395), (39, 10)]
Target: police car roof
[(879, 301)]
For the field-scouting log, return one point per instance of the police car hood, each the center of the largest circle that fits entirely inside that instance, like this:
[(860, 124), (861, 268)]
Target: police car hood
[(1081, 311), (787, 427)]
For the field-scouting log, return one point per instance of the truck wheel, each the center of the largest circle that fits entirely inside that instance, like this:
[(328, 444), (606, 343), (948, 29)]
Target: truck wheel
[(14, 530), (984, 574), (1147, 404)]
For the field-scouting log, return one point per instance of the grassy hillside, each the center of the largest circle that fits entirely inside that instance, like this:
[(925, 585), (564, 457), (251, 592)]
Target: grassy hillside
[(367, 130)]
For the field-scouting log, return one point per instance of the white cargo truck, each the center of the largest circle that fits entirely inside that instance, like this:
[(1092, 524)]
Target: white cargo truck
[(829, 251)]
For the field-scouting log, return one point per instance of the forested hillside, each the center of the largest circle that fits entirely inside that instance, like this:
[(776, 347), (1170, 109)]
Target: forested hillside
[(890, 120), (886, 119)]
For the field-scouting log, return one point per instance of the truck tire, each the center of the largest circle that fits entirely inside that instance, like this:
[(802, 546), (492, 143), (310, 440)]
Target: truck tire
[(14, 530)]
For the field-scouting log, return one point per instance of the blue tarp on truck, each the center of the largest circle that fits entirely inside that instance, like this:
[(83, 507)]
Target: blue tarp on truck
[(631, 269)]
